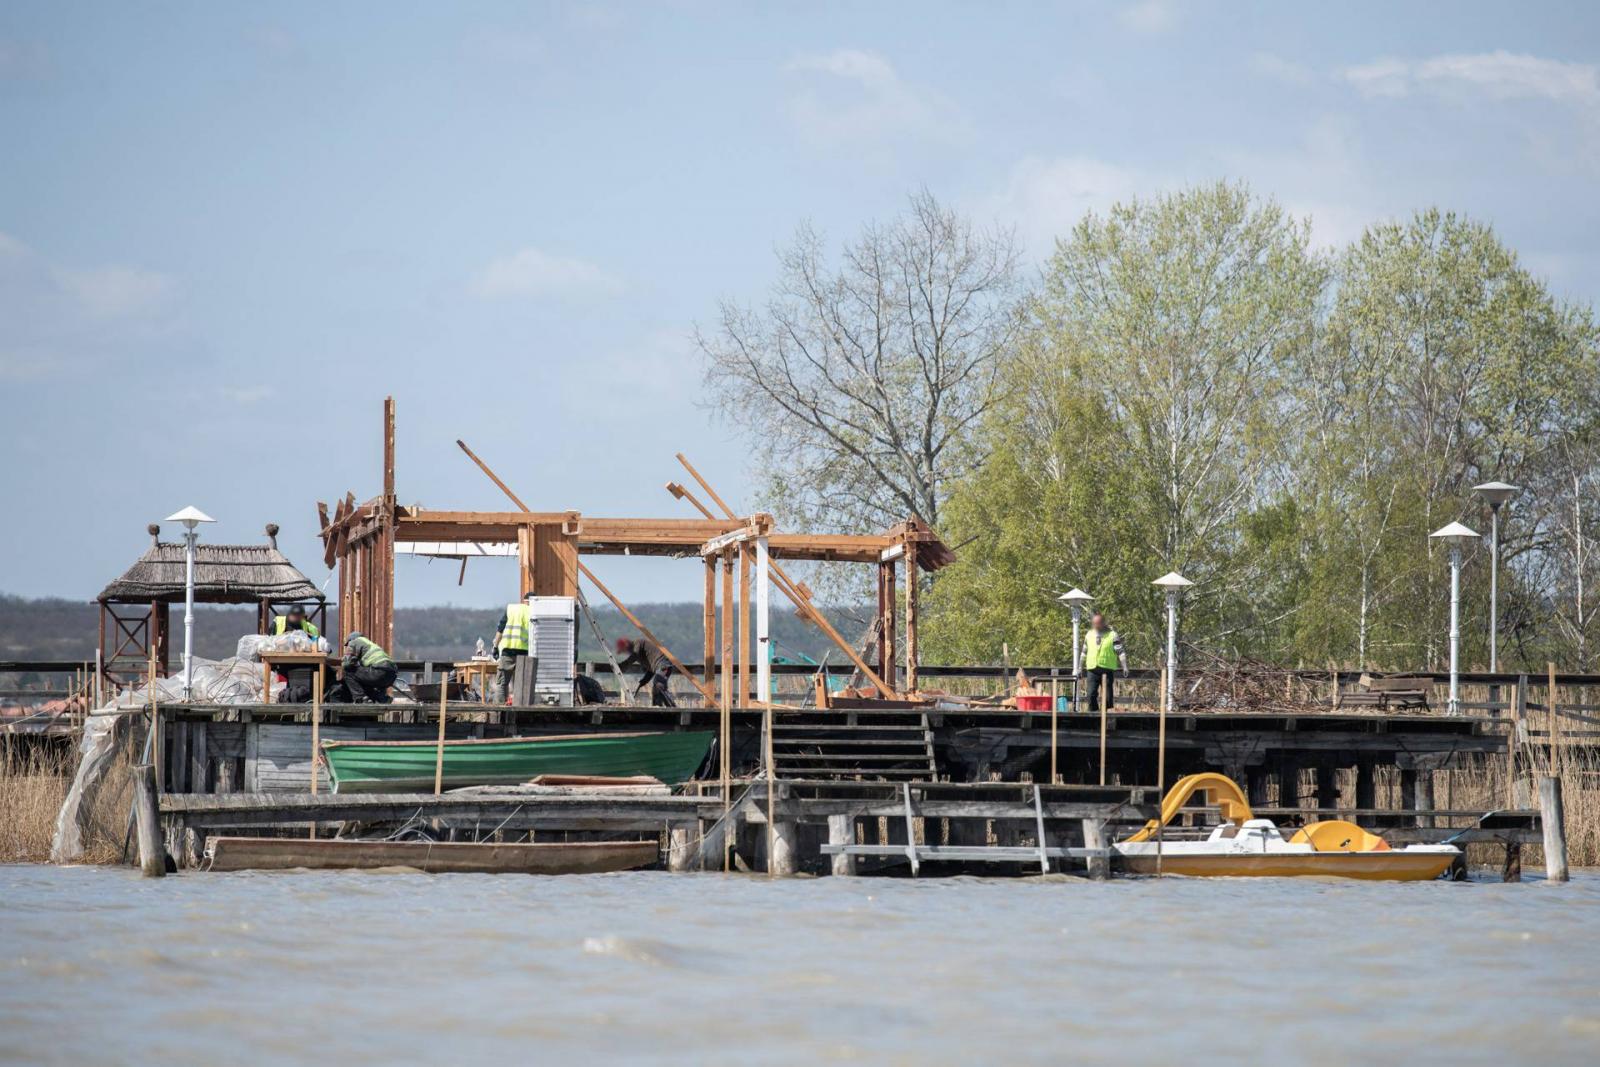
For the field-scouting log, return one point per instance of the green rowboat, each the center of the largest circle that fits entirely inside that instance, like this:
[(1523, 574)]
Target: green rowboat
[(408, 766)]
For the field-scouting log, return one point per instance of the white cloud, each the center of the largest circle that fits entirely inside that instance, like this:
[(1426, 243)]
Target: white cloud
[(851, 96), (1497, 75), (115, 292), (1045, 198), (10, 247), (530, 272), (1151, 16)]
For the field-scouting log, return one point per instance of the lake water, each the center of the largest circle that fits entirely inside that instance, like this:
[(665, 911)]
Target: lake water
[(98, 965)]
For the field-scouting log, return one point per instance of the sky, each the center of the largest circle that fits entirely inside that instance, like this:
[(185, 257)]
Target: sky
[(228, 231)]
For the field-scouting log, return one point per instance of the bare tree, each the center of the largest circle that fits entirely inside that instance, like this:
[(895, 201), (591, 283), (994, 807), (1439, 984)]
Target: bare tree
[(860, 384)]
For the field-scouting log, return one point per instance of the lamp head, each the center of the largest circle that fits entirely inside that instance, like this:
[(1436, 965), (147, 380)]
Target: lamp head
[(1455, 534), (1496, 493), (190, 517), (1075, 598), (1172, 582)]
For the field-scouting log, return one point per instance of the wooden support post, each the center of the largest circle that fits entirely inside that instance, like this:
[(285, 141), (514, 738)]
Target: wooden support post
[(438, 756), (887, 611), (316, 736), (1105, 686), (913, 652), (1161, 764), (1366, 785), (744, 626), (725, 734), (842, 831), (781, 840), (1554, 717), (1552, 820), (708, 660), (152, 857), (1424, 794), (679, 851), (1094, 837), (1511, 871)]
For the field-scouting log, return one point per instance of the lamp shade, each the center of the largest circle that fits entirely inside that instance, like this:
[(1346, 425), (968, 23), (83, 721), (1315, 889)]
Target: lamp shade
[(1075, 597), (1496, 493), (1172, 581), (1455, 533), (190, 517)]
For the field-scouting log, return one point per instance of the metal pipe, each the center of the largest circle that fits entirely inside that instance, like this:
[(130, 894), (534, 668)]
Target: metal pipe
[(1494, 587), (1172, 646), (188, 613), (1455, 630)]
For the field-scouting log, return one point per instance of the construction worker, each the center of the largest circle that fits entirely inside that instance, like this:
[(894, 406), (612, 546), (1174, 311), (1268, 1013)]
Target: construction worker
[(1103, 654), (294, 619), (368, 670), (511, 639), (657, 668)]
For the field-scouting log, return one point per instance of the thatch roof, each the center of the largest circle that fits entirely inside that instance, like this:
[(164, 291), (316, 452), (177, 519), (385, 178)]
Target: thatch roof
[(223, 574)]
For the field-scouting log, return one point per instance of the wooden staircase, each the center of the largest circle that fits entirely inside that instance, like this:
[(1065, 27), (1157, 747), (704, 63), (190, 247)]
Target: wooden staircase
[(853, 746)]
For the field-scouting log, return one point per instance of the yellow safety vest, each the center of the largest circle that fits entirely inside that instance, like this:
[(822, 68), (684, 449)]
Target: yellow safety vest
[(280, 625), (371, 654), (1100, 650), (519, 622)]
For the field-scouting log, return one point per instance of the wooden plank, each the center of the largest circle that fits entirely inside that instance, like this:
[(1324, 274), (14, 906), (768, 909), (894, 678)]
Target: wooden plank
[(434, 857)]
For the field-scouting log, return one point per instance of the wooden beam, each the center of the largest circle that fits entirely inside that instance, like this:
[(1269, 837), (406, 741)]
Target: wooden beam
[(744, 623)]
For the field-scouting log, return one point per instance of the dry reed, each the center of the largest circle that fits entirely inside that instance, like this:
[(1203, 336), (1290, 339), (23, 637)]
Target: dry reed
[(33, 784)]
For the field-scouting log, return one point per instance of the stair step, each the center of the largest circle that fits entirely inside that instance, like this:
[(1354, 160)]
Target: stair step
[(851, 742), (882, 757)]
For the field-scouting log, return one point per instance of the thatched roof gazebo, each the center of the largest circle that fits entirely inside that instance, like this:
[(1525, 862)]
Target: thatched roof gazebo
[(134, 608)]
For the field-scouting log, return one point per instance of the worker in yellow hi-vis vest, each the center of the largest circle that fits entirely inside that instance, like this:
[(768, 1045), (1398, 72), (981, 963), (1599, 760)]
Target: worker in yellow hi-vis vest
[(1103, 656), (511, 645)]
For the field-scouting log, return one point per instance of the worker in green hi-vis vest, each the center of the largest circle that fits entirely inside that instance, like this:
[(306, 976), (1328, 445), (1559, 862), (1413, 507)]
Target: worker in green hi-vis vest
[(368, 669), (511, 640), (1103, 656)]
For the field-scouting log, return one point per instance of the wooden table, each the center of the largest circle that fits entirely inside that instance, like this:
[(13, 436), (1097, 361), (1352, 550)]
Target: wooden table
[(270, 660), (483, 669)]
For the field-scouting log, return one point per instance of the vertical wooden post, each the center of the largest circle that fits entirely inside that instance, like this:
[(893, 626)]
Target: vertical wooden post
[(744, 625), (709, 657), (1105, 685), (1161, 765), (888, 602), (912, 652), (1552, 820), (1555, 726), (842, 831), (438, 758), (726, 718), (152, 856), (1094, 837), (763, 620), (316, 730)]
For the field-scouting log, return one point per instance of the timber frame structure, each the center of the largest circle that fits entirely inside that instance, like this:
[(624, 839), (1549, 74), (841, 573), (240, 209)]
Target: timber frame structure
[(361, 540)]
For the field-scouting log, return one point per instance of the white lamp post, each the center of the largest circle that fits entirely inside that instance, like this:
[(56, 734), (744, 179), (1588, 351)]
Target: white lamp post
[(1455, 535), (1173, 584), (1495, 494), (1077, 600), (191, 517)]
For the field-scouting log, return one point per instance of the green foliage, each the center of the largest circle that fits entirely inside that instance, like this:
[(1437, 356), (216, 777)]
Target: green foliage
[(1199, 390)]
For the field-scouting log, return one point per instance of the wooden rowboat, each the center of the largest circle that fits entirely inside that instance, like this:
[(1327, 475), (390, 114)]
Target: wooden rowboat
[(432, 857), (408, 766)]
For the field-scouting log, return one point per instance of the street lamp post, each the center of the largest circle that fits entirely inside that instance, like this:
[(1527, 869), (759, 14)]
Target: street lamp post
[(1455, 535), (1077, 600), (1495, 494), (1172, 584), (191, 517)]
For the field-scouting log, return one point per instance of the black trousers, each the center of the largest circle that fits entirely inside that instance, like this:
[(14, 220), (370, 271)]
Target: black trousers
[(371, 683), (660, 691), (1098, 676)]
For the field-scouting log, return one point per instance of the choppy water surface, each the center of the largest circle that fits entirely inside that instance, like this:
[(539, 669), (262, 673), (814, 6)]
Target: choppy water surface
[(99, 965)]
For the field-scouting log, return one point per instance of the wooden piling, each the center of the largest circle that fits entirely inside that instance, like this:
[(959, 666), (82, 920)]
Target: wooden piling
[(1094, 836), (316, 728), (1552, 820), (152, 857), (842, 831), (1105, 684), (438, 758)]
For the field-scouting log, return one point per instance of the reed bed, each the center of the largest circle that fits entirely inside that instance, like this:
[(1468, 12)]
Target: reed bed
[(33, 784)]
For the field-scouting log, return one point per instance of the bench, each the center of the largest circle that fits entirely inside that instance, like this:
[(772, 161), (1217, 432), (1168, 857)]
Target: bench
[(1394, 691)]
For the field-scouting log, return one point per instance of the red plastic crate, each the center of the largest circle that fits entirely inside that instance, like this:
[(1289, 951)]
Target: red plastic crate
[(1033, 703)]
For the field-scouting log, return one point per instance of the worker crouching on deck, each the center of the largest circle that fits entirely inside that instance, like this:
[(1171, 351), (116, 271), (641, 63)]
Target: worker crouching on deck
[(368, 670), (1103, 655), (657, 668), (511, 645)]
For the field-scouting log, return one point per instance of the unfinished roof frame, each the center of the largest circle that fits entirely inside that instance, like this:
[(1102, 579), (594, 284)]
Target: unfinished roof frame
[(360, 540)]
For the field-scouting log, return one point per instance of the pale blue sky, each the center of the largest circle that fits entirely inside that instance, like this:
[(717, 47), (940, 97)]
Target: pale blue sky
[(226, 231)]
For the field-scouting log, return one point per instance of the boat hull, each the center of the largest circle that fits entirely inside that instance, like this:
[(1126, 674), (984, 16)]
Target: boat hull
[(1395, 865), (283, 853), (408, 766)]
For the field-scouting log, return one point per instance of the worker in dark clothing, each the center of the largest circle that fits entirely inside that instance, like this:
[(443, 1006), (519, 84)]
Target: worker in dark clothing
[(656, 668), (368, 670)]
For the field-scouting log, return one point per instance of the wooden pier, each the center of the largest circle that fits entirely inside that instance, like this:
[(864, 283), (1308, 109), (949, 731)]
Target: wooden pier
[(851, 791)]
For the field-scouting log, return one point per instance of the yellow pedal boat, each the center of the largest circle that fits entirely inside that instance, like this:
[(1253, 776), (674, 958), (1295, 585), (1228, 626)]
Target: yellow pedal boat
[(1246, 847)]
